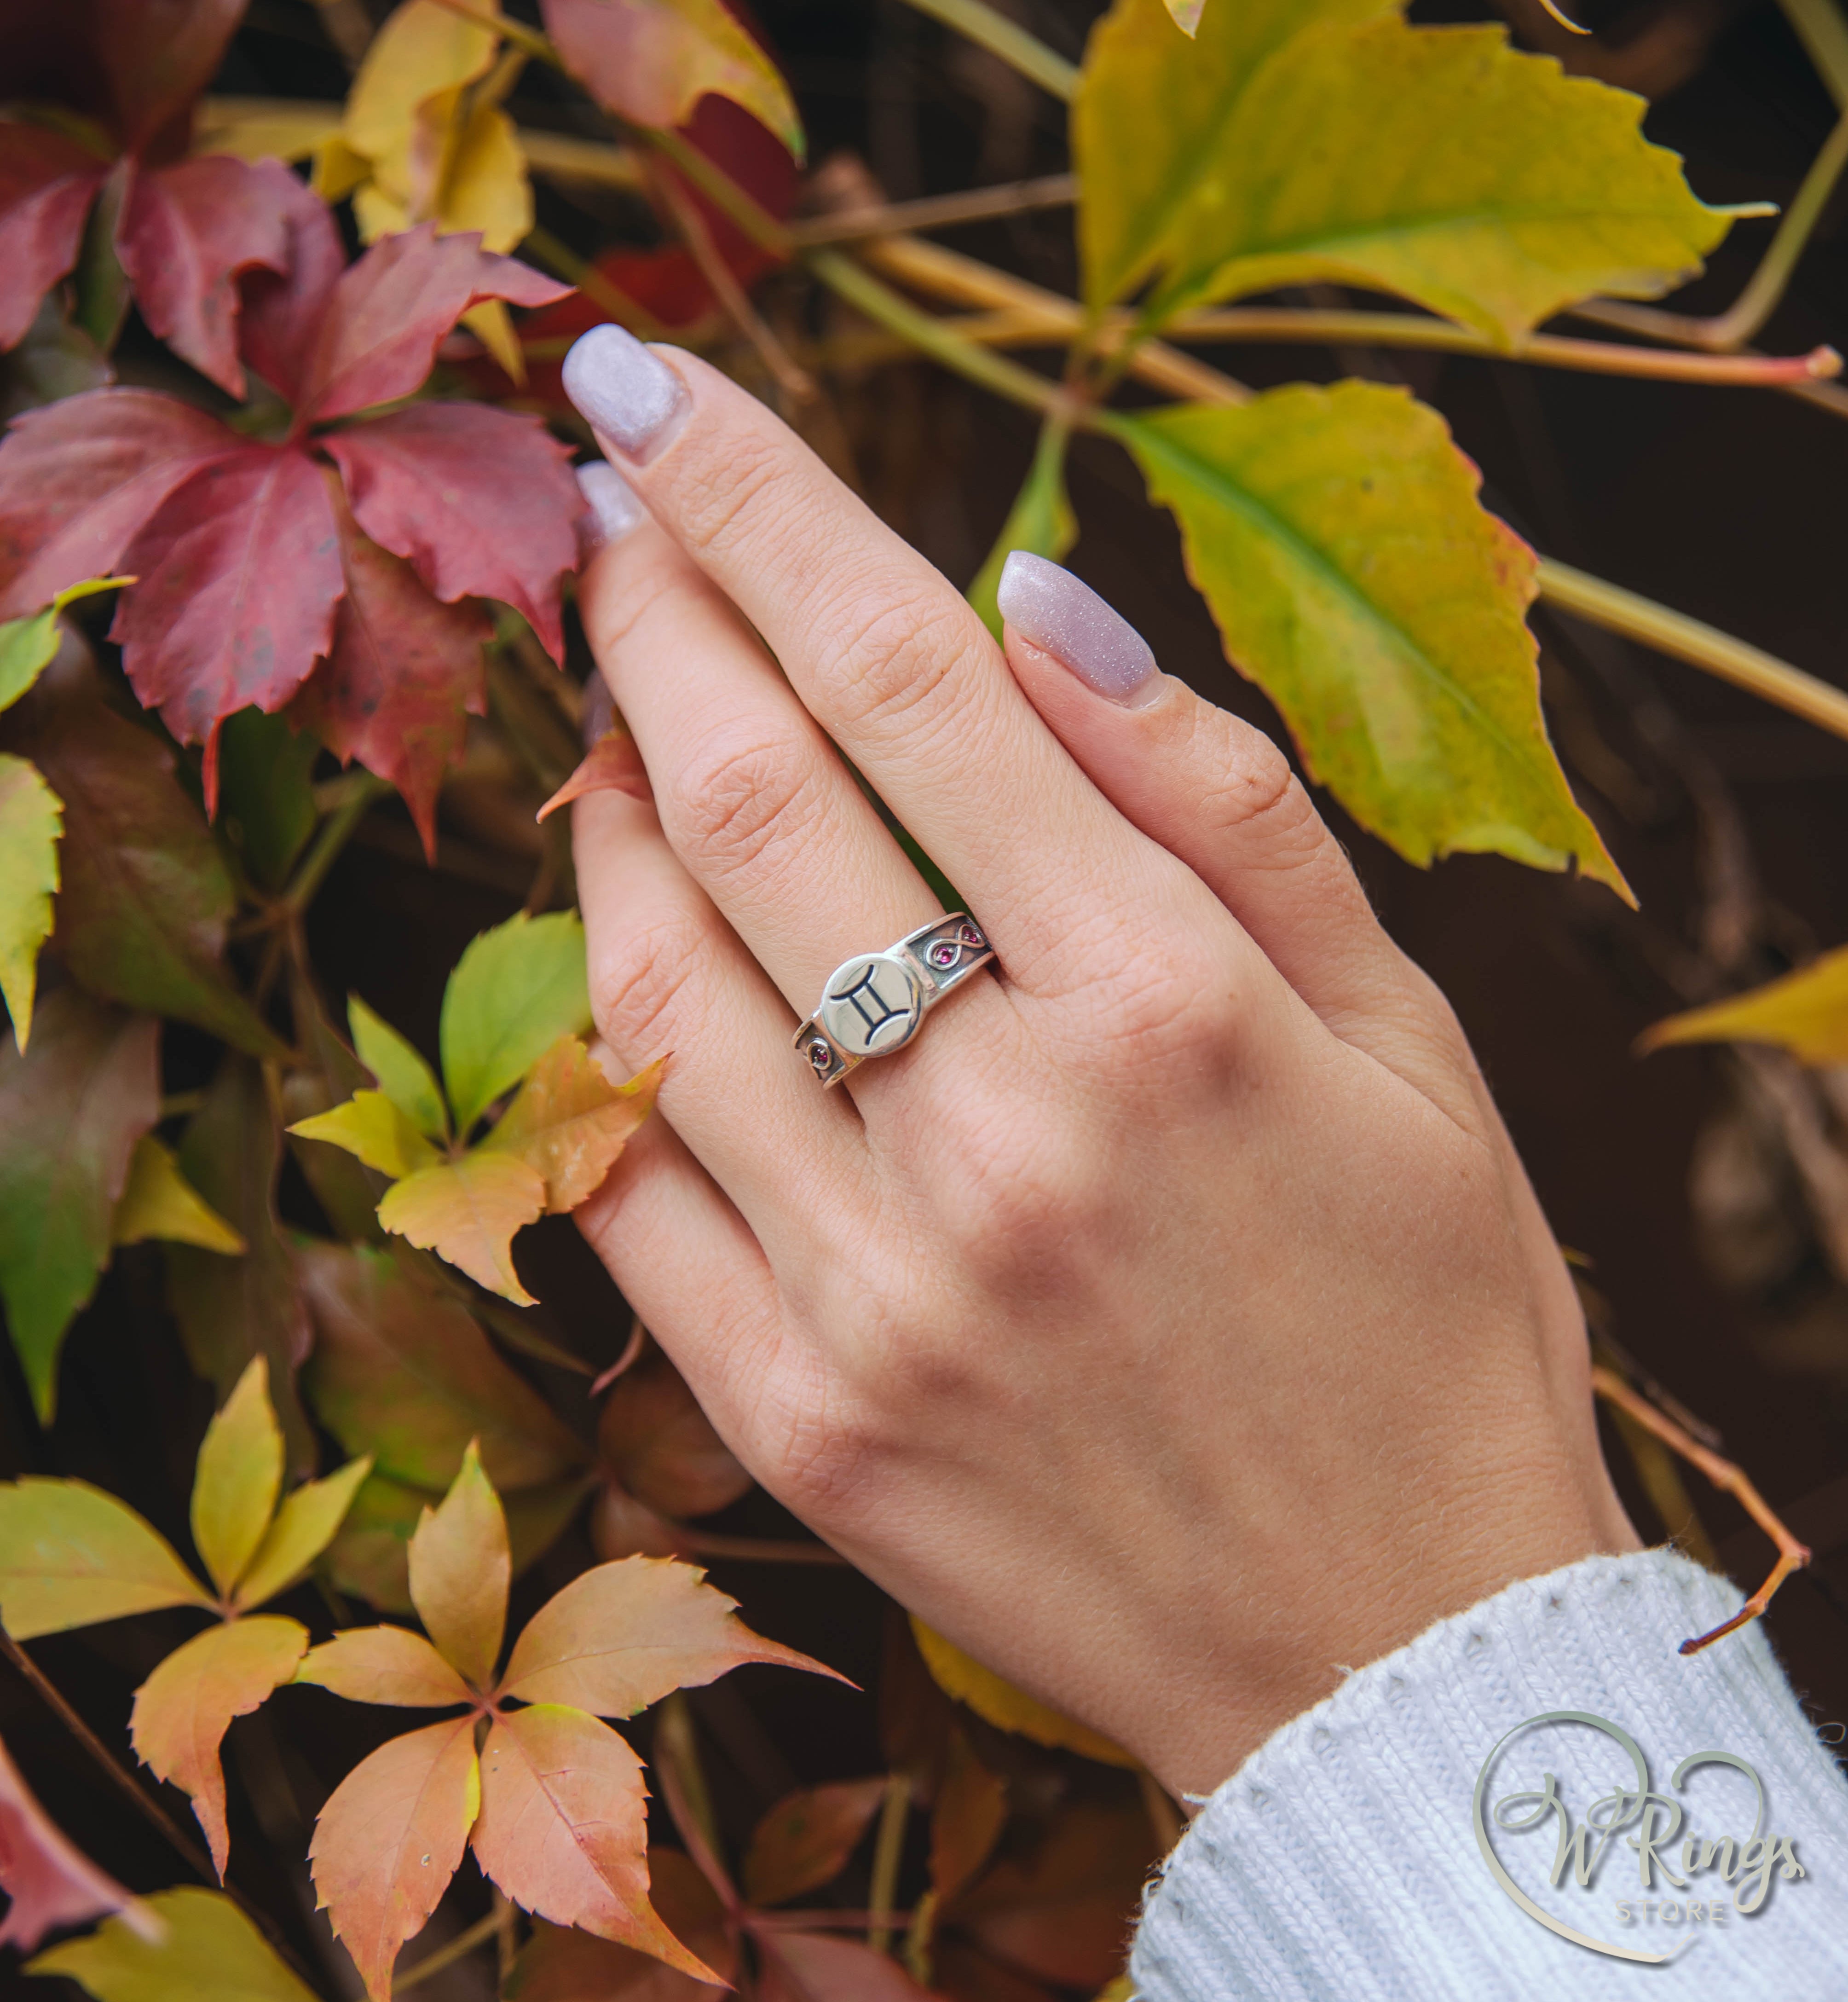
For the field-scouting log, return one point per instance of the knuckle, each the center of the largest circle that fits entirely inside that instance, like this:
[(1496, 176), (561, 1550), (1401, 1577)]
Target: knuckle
[(1251, 789), (895, 654), (642, 985), (1022, 1204), (728, 497), (742, 794)]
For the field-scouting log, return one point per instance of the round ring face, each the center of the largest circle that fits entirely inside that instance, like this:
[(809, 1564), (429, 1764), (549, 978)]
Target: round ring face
[(872, 1005)]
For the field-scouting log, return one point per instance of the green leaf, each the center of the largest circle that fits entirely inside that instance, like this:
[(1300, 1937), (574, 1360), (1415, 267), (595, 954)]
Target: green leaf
[(160, 1203), (1182, 103), (304, 1526), (31, 818), (1337, 536), (266, 804), (515, 992), (403, 1075), (330, 1076), (1805, 1013), (208, 1951), (71, 1555), (372, 1128), (29, 646), (238, 1478), (467, 1211), (71, 1110), (232, 1309), (405, 1374), (1435, 162), (146, 899), (1040, 521)]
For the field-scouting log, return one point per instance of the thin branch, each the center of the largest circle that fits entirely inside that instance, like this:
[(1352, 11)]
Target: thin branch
[(936, 211), (458, 1948), (1692, 640), (1766, 286), (567, 158), (335, 831), (1730, 1478), (795, 381), (888, 1850), (1824, 35), (990, 29)]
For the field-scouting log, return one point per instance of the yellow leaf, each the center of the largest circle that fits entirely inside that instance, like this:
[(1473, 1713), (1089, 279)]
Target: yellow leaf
[(304, 1526), (205, 1948), (263, 128), (370, 1126), (1805, 1013), (1000, 1703), (1435, 162), (1355, 576), (423, 50), (460, 1569), (160, 1203), (31, 821), (485, 187), (71, 1555), (467, 1211), (493, 325), (338, 169), (182, 1710), (569, 1122), (238, 1479)]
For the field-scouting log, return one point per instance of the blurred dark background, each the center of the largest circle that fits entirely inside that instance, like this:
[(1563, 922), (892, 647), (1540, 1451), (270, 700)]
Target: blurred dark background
[(1706, 1194)]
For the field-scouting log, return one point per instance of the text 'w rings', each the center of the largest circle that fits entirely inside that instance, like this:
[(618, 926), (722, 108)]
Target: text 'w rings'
[(874, 1003)]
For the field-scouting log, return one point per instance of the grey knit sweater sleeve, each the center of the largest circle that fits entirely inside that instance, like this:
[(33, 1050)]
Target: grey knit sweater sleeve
[(1343, 1862)]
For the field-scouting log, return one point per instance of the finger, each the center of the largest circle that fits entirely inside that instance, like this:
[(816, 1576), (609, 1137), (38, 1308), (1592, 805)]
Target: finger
[(666, 976), (687, 1263), (1217, 793), (879, 648), (752, 798)]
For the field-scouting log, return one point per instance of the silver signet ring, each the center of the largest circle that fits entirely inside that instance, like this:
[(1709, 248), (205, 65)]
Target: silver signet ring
[(875, 1002)]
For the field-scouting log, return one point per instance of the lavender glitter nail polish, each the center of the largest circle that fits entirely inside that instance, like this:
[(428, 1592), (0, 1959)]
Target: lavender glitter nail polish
[(614, 508), (1049, 606), (630, 396)]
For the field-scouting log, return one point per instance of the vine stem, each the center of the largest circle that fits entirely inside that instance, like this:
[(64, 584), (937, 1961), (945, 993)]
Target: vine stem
[(888, 1848), (990, 29), (1692, 640), (1730, 1478), (458, 1948)]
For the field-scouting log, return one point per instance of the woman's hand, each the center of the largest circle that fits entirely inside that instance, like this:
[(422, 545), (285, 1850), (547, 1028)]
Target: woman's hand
[(1171, 1324)]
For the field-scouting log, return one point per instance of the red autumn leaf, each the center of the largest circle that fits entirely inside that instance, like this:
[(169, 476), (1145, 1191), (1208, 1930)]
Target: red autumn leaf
[(51, 1880), (612, 764), (816, 1967), (468, 496), (804, 1841), (389, 1839), (402, 675), (563, 1828), (186, 232), (660, 1446), (79, 478), (386, 315), (280, 317), (239, 571), (47, 184), (158, 55)]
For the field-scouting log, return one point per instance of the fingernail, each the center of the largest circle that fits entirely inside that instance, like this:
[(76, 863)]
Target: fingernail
[(1057, 611), (614, 508), (631, 397)]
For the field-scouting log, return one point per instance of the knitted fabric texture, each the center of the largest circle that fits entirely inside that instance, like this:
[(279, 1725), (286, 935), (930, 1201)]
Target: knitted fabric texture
[(1341, 1863)]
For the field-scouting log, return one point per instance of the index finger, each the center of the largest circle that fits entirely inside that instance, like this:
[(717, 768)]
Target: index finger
[(883, 652)]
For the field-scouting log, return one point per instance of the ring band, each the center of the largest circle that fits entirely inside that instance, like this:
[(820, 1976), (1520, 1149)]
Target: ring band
[(874, 1003)]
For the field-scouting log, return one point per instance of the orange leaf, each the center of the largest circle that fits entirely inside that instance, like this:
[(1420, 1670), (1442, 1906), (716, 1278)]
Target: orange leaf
[(569, 1122), (612, 764), (814, 1967), (460, 1570), (965, 1821), (51, 1880), (622, 1634), (384, 1665), (389, 1839), (660, 1446), (805, 1841), (562, 1965), (564, 1828), (467, 1211), (182, 1710)]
